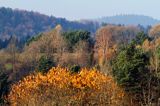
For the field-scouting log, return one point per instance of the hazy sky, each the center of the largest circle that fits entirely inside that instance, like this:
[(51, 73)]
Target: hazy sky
[(86, 9)]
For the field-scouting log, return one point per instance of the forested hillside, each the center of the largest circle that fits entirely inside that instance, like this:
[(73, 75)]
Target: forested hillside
[(24, 24)]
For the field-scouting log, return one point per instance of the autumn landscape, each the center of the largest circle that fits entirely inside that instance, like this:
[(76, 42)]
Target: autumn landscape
[(77, 57)]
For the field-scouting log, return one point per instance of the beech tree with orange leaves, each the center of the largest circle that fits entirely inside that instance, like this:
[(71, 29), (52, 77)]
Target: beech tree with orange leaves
[(60, 87)]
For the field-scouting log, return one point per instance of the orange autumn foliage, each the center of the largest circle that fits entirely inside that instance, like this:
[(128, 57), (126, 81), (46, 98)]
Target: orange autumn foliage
[(59, 86)]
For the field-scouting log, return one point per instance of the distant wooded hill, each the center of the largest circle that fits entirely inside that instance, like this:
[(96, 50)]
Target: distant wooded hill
[(25, 24), (129, 20)]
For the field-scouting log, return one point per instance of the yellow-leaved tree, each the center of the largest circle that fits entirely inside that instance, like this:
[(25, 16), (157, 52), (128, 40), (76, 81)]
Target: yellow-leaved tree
[(62, 88)]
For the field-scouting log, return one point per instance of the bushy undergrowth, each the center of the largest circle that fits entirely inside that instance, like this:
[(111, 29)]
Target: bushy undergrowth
[(59, 87)]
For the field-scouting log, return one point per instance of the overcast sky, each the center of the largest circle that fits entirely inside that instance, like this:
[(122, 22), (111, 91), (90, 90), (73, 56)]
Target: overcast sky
[(87, 9)]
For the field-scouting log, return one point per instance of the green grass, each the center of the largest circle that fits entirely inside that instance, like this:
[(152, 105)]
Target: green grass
[(8, 66)]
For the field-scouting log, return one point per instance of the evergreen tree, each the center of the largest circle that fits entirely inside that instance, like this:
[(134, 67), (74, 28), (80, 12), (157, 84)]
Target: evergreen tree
[(4, 87), (140, 38), (130, 67), (45, 63)]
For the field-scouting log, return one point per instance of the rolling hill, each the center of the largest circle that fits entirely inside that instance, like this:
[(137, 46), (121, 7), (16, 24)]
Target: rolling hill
[(129, 20), (25, 24)]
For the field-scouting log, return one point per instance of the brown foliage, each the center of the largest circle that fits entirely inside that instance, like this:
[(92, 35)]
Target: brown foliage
[(155, 31), (108, 38)]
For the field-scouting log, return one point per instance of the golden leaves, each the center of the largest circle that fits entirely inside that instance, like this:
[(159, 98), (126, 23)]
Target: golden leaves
[(61, 78)]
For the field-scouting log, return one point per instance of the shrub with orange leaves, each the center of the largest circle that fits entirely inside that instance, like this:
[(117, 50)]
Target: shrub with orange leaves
[(60, 87)]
